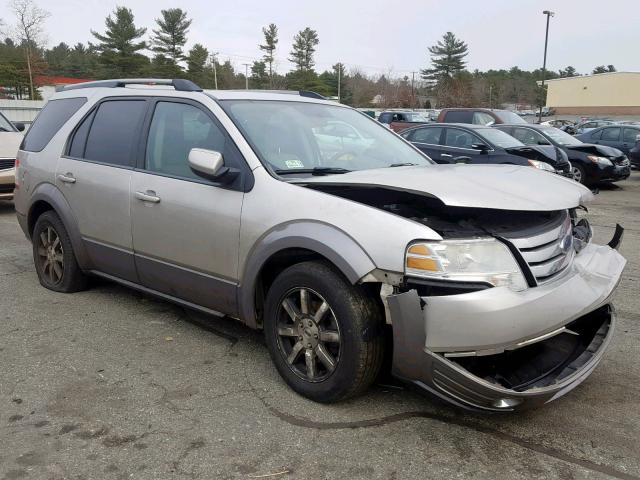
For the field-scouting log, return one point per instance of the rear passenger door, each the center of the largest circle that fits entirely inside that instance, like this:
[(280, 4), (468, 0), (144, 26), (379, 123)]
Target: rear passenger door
[(629, 136), (612, 137), (94, 176), (186, 228), (427, 139)]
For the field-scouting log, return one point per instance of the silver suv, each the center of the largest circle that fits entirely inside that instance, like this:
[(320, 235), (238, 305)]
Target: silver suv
[(341, 241)]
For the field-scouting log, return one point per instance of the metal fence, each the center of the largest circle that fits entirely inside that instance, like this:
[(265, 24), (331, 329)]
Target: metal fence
[(24, 111)]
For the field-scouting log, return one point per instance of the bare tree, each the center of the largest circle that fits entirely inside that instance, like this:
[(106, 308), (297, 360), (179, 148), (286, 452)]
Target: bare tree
[(29, 22)]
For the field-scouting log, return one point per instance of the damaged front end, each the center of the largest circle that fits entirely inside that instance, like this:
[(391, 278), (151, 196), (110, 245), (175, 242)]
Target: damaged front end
[(502, 347)]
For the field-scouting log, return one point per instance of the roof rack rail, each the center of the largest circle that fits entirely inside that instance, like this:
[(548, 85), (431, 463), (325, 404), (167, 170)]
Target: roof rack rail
[(302, 93), (179, 84)]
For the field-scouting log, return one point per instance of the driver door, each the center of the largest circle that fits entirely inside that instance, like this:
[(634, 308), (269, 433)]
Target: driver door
[(185, 228)]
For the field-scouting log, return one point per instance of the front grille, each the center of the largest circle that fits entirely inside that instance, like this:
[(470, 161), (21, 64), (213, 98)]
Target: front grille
[(547, 253), (7, 163)]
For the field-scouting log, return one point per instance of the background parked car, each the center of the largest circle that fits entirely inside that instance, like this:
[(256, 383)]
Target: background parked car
[(10, 138), (398, 121), (622, 137), (478, 116), (458, 143), (589, 163), (589, 125)]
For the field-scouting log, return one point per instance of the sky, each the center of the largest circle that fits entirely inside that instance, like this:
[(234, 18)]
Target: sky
[(385, 36)]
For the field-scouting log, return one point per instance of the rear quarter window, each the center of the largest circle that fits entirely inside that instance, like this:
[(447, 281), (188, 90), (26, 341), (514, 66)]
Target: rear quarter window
[(50, 119), (458, 117)]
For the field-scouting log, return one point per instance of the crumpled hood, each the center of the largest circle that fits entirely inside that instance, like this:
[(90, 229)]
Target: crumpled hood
[(600, 150), (9, 144), (501, 187)]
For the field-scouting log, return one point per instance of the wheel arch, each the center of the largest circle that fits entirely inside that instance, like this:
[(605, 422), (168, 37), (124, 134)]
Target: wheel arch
[(47, 197), (286, 245)]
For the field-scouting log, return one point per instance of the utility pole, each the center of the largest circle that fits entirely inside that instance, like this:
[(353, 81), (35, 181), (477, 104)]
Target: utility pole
[(549, 14), (339, 79), (215, 73), (246, 76), (490, 96), (413, 95)]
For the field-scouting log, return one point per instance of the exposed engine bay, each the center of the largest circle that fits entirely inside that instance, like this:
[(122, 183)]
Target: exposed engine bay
[(458, 222)]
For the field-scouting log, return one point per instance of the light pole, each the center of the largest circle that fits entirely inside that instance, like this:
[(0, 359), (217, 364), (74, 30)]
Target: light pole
[(246, 76), (215, 73), (339, 79), (549, 14)]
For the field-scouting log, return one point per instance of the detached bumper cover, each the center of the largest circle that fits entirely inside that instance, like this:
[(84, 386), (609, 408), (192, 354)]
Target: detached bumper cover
[(429, 330)]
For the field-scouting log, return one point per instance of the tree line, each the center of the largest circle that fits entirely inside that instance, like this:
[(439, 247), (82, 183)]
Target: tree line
[(122, 48)]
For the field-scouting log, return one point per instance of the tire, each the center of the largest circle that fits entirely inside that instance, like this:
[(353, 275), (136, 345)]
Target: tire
[(53, 256), (349, 330), (579, 174)]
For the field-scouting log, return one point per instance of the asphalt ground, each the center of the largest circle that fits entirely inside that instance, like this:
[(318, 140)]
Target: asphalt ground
[(113, 384)]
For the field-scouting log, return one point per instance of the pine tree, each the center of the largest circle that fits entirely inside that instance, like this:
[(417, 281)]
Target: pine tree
[(170, 37), (269, 47), (119, 46), (303, 48), (259, 77), (447, 58)]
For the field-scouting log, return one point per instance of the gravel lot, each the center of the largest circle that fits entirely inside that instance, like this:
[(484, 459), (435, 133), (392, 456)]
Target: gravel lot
[(112, 384)]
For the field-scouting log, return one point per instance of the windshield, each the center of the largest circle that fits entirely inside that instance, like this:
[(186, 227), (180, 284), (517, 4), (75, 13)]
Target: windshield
[(415, 117), (295, 137), (558, 136), (509, 117), (5, 125), (499, 138)]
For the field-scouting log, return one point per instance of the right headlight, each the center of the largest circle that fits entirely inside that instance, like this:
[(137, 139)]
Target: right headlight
[(605, 162), (483, 260), (541, 165)]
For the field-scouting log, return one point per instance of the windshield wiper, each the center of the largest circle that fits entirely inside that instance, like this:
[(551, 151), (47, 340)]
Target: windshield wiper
[(408, 164), (313, 171)]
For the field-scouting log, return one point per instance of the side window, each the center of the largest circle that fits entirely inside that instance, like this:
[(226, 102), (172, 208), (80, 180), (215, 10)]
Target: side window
[(175, 129), (611, 134), (427, 135), (396, 117), (595, 135), (481, 118), (52, 117), (458, 116), (460, 138), (113, 132), (529, 137), (385, 118), (630, 135)]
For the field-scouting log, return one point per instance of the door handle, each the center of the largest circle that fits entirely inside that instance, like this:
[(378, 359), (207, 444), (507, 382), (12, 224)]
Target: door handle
[(67, 178), (148, 196), (446, 155)]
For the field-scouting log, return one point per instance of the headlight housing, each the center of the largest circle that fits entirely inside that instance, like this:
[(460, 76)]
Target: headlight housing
[(605, 162), (483, 260), (541, 165)]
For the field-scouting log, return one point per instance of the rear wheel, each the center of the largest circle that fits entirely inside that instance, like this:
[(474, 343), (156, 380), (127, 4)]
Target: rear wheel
[(53, 256), (324, 335)]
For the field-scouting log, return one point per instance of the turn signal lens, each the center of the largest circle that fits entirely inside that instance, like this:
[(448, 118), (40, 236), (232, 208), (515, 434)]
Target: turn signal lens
[(428, 264), (419, 250)]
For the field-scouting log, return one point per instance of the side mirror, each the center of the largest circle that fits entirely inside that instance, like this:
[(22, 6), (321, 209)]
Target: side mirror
[(209, 164), (480, 146), (19, 126)]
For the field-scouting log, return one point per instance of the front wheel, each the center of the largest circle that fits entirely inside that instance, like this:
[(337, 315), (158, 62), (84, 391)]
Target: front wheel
[(578, 174), (324, 335)]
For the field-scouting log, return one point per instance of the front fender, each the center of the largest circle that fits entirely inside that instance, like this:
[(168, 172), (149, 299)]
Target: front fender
[(332, 243), (49, 193)]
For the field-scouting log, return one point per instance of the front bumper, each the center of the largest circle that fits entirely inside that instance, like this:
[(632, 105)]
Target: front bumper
[(615, 173), (432, 333), (7, 180)]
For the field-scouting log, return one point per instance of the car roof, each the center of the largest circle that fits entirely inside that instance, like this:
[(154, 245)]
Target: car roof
[(468, 126), (531, 125), (479, 109)]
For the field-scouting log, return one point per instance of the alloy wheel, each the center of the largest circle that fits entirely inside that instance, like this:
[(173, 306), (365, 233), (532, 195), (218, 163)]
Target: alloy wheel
[(577, 174), (51, 255), (308, 334)]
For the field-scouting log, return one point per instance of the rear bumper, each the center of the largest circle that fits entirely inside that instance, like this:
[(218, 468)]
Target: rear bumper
[(434, 337)]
